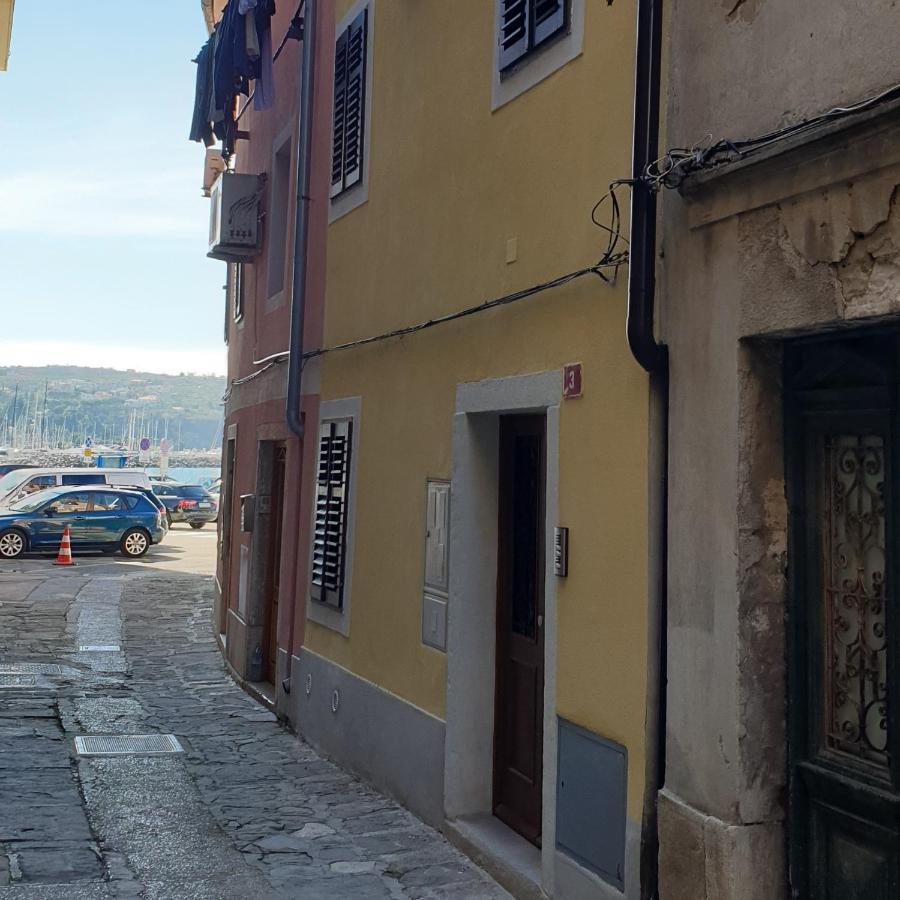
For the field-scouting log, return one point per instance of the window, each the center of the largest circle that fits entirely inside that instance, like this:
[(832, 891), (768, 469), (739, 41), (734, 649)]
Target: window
[(278, 215), (524, 25), (69, 503), (330, 527), (114, 502), (84, 479), (349, 116), (236, 290), (38, 483)]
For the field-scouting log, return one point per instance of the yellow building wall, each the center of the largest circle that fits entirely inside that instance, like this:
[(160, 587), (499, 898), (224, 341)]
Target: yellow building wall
[(450, 182)]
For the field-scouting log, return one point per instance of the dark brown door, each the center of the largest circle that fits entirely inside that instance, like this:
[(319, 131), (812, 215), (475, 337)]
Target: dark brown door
[(226, 510), (842, 458), (274, 564), (518, 719)]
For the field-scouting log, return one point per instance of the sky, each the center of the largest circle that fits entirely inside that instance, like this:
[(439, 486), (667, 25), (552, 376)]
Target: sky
[(102, 223)]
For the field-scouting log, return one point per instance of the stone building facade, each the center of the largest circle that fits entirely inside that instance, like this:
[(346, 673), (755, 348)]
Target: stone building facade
[(779, 296)]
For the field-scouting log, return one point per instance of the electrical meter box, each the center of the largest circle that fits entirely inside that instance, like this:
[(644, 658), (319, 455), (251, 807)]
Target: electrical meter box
[(234, 217)]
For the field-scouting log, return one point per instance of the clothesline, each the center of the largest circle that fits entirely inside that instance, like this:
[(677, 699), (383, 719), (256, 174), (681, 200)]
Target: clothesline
[(237, 54), (292, 31)]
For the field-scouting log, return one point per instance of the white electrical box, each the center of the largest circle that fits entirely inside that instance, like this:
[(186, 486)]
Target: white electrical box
[(437, 565), (234, 217), (437, 534)]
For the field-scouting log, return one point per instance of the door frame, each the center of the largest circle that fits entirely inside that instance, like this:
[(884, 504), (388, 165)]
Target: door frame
[(273, 582), (471, 612), (805, 410), (226, 494)]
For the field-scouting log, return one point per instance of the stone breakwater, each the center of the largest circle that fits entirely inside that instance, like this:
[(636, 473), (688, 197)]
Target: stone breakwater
[(75, 457)]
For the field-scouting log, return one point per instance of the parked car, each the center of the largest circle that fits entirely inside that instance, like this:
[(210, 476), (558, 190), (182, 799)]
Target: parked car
[(22, 482), (106, 519), (6, 468), (190, 503), (151, 496)]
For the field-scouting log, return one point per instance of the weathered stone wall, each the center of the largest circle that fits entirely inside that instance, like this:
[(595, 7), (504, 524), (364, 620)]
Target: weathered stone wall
[(740, 68), (801, 242)]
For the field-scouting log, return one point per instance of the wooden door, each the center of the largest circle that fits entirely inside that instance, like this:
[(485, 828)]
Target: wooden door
[(273, 565), (519, 702), (226, 509), (844, 765)]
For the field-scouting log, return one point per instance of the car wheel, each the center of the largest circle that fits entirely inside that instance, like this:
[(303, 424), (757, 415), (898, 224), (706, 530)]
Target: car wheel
[(135, 542), (12, 543), (197, 524), (169, 518)]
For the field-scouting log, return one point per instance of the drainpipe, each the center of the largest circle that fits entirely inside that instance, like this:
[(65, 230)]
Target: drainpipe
[(292, 413), (653, 357), (301, 222)]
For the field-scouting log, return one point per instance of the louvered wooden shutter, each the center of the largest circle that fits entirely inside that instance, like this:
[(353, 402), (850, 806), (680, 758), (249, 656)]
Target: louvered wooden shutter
[(549, 17), (330, 536), (340, 114), (349, 105), (525, 24), (514, 27)]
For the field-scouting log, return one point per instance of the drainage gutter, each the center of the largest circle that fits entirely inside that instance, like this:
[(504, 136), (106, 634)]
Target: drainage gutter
[(292, 412), (653, 357)]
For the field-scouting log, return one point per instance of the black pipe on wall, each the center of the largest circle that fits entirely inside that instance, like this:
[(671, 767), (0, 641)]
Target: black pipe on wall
[(301, 222), (653, 357)]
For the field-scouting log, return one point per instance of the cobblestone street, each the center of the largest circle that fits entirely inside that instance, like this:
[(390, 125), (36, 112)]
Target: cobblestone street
[(247, 810)]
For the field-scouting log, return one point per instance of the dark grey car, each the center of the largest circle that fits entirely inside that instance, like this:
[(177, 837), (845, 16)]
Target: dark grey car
[(190, 503)]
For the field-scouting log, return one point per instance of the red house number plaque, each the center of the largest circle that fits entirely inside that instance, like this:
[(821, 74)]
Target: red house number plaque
[(572, 381)]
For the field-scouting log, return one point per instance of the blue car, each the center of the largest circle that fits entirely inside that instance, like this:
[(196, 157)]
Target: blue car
[(104, 518)]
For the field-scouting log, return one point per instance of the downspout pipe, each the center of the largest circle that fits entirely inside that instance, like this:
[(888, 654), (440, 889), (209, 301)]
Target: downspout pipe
[(653, 357), (301, 222)]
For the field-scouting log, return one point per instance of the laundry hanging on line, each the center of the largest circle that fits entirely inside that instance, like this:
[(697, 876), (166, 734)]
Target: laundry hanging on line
[(237, 52)]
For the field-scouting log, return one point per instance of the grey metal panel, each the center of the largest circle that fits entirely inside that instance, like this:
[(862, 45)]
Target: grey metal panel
[(126, 744), (590, 801), (434, 622)]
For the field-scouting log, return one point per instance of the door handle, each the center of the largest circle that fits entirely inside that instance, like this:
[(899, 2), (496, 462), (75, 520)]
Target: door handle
[(80, 518)]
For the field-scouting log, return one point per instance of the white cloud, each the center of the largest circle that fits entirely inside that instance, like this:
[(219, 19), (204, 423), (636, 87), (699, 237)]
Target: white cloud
[(142, 359)]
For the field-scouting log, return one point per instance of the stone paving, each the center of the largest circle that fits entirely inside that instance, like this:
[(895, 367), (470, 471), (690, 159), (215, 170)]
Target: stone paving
[(248, 810)]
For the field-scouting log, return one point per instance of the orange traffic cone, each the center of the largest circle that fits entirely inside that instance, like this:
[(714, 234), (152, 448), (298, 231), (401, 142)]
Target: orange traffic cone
[(64, 557)]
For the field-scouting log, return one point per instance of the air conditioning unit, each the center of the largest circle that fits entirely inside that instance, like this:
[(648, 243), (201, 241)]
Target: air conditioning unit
[(234, 217)]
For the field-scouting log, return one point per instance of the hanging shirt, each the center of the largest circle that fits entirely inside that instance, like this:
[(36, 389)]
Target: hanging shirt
[(201, 130)]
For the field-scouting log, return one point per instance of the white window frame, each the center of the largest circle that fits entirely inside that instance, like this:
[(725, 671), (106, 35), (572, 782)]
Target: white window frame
[(346, 409), (358, 194), (540, 63), (283, 141)]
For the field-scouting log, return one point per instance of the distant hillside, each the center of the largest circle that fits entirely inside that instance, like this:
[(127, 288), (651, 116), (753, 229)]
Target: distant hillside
[(108, 405)]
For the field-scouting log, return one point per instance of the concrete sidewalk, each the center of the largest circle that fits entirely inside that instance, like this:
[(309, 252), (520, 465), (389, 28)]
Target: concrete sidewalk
[(247, 810)]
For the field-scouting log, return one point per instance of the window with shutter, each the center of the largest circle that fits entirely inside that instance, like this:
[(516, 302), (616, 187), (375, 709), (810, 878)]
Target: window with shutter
[(524, 25), (348, 127), (330, 530)]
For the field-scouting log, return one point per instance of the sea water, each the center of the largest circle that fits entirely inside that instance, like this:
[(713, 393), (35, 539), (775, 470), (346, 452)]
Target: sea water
[(189, 474)]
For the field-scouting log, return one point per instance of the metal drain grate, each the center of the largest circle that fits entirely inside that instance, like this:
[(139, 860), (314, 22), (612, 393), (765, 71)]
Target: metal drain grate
[(11, 681), (30, 669), (99, 648), (126, 744)]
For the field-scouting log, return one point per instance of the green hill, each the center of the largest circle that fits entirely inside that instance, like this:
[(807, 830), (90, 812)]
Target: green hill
[(103, 404)]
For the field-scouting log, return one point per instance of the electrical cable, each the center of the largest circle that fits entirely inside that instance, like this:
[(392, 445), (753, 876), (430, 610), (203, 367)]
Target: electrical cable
[(671, 169), (292, 32), (612, 258)]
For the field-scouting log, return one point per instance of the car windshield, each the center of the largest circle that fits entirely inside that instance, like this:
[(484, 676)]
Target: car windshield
[(194, 491), (11, 480), (33, 501)]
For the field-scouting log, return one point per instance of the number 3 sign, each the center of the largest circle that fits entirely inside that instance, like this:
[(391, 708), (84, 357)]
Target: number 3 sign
[(572, 381)]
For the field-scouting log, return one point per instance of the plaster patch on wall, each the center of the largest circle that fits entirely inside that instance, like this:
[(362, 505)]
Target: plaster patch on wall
[(823, 225), (869, 273)]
